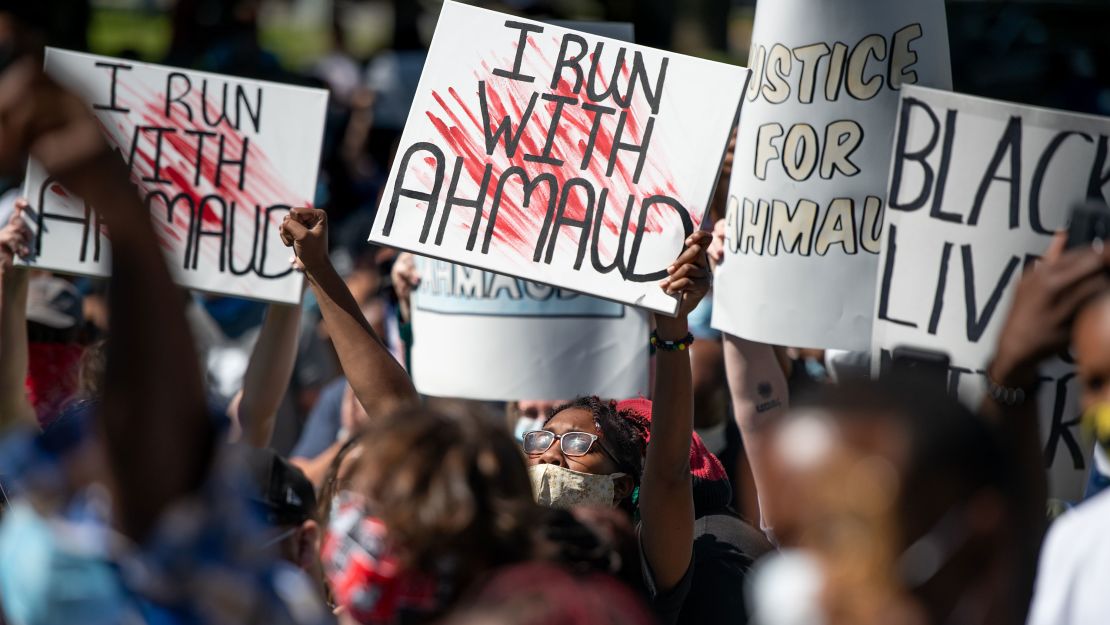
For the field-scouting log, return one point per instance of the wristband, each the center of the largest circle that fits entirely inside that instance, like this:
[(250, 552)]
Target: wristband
[(1005, 395), (658, 344)]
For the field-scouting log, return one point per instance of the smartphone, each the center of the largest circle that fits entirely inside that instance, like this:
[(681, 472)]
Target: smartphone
[(1090, 223), (928, 367)]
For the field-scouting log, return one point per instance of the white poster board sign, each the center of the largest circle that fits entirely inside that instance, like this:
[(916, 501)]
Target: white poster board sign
[(557, 156), (481, 335), (977, 189), (218, 161), (805, 203)]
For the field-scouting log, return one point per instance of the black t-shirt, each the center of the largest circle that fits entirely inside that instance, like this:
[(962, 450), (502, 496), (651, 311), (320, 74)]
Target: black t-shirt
[(725, 548), (712, 590), (666, 605)]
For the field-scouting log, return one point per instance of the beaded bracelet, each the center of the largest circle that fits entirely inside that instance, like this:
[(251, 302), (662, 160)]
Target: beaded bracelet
[(658, 344)]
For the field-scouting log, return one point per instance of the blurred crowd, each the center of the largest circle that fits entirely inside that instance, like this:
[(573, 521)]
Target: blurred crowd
[(177, 457)]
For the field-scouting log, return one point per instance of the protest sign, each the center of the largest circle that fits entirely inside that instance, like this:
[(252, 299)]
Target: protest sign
[(557, 156), (218, 160), (977, 189), (481, 335), (625, 31), (805, 203), (485, 336)]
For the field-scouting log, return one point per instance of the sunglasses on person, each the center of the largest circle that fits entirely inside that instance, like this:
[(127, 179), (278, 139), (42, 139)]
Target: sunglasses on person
[(572, 444)]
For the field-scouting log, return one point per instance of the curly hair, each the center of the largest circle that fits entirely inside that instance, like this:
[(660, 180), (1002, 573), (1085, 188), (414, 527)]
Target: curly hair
[(623, 432)]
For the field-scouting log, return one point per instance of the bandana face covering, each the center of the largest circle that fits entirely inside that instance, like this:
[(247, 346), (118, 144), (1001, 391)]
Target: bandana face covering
[(558, 487), (364, 571)]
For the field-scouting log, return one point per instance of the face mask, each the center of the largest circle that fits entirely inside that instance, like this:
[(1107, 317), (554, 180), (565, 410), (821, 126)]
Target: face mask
[(364, 571), (786, 590), (815, 369), (557, 487), (525, 425), (1096, 424), (44, 581)]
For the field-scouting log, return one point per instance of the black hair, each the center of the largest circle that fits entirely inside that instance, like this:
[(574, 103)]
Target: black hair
[(623, 432)]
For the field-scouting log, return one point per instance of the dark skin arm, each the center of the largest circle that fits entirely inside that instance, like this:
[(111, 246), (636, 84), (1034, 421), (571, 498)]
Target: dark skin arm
[(379, 381), (1038, 326), (157, 434), (666, 490)]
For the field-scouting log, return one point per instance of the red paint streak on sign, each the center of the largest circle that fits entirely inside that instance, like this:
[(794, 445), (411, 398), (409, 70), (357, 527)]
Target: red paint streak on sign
[(189, 160), (459, 127)]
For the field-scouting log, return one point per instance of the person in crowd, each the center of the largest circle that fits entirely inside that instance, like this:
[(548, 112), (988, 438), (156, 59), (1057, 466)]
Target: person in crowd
[(528, 414), (379, 382), (15, 241), (902, 511), (537, 594), (255, 407), (286, 500), (759, 393), (430, 502), (429, 499), (181, 552), (43, 318), (336, 417), (593, 452), (1090, 343), (1059, 303), (382, 386)]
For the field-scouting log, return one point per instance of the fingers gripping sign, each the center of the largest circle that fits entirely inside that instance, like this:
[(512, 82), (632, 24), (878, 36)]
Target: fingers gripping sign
[(689, 276), (15, 237)]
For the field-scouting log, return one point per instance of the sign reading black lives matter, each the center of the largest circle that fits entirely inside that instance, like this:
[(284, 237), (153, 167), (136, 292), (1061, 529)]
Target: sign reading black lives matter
[(805, 205), (977, 190), (218, 160), (557, 156)]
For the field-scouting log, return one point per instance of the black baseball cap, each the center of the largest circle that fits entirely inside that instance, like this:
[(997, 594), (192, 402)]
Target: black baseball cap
[(283, 493)]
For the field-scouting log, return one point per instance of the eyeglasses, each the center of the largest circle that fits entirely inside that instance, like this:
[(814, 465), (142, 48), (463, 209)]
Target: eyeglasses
[(573, 444)]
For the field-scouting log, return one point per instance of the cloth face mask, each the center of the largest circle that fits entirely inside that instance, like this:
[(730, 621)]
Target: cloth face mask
[(558, 487)]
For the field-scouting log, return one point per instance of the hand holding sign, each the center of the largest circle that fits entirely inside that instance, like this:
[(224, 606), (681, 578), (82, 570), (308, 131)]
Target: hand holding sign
[(689, 276), (406, 278), (1046, 301), (15, 237)]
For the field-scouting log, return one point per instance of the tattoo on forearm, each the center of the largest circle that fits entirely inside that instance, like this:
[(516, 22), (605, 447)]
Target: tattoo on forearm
[(767, 401)]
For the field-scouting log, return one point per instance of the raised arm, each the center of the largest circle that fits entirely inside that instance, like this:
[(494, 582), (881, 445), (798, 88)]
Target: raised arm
[(758, 390), (379, 381), (757, 387), (268, 373), (666, 490), (15, 239), (157, 434), (1038, 326)]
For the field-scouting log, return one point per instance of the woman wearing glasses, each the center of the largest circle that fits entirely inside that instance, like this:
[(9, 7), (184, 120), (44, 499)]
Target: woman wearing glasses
[(595, 453)]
